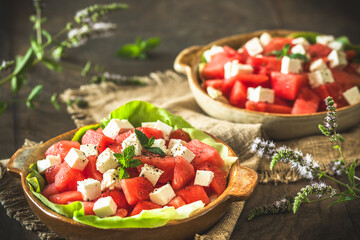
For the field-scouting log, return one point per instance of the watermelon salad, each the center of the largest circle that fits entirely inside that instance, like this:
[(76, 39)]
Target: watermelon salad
[(288, 75), (121, 170)]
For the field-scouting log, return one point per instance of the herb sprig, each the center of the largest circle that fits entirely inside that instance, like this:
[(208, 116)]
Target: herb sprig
[(126, 160), (310, 169), (139, 49), (285, 52), (147, 143)]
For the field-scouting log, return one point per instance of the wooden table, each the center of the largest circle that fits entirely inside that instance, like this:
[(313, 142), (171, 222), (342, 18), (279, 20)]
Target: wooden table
[(179, 24)]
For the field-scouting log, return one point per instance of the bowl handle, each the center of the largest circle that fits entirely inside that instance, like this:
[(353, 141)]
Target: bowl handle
[(186, 58), (243, 184), (19, 161)]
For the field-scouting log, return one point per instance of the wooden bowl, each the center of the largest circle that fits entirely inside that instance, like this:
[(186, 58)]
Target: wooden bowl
[(241, 183), (276, 126)]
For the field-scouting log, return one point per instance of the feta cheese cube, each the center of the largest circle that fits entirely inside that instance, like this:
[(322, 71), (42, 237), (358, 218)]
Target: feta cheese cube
[(105, 207), (173, 141), (160, 143), (233, 68), (213, 93), (89, 150), (166, 129), (180, 150), (151, 173), (336, 45), (337, 59), (106, 160), (352, 95), (162, 195), (76, 159), (90, 189), (49, 161), (253, 46), (212, 51), (203, 178), (320, 77), (318, 64), (114, 126), (324, 39), (265, 38), (148, 124), (110, 180), (132, 140), (260, 94), (290, 65), (300, 40), (298, 48)]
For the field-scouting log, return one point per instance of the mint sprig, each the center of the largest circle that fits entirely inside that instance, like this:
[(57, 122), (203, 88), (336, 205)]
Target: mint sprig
[(285, 52), (147, 143), (126, 160), (139, 49)]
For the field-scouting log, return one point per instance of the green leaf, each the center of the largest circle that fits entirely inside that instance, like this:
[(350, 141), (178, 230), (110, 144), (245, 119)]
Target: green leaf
[(39, 51), (151, 141), (351, 173), (54, 102), (47, 35), (86, 69), (52, 64), (23, 63), (343, 39), (324, 130), (78, 135), (144, 140), (3, 106), (139, 48), (299, 56), (129, 51), (309, 36), (35, 92), (135, 163), (336, 147), (152, 43), (57, 53), (34, 178), (123, 174), (156, 150)]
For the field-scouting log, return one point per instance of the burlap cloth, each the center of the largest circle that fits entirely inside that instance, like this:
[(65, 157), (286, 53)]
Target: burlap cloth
[(171, 91)]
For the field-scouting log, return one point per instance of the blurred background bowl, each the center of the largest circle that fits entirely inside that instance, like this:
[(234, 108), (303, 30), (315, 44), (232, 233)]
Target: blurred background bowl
[(276, 126)]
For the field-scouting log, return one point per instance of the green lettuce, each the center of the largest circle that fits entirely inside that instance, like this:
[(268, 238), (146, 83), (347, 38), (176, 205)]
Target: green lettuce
[(136, 112)]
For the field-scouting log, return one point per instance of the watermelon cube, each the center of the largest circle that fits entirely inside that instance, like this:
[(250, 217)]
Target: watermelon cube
[(266, 107), (51, 172), (214, 83), (49, 190), (65, 197), (96, 138), (204, 153), (176, 202), (143, 205), (136, 189), (66, 179), (118, 197), (88, 208), (238, 94), (90, 170), (218, 183), (62, 148), (288, 85), (307, 102), (192, 194), (165, 164), (183, 173)]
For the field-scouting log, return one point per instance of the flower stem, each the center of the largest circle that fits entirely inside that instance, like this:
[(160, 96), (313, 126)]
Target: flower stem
[(318, 200), (341, 183)]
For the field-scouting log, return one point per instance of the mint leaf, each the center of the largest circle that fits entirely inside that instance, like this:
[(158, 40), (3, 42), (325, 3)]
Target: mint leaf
[(144, 140), (299, 56), (51, 64), (54, 102), (33, 95), (135, 163), (139, 49), (39, 51), (123, 174), (351, 173), (156, 150)]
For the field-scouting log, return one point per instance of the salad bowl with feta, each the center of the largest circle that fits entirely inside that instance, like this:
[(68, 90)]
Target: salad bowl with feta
[(142, 173), (279, 78)]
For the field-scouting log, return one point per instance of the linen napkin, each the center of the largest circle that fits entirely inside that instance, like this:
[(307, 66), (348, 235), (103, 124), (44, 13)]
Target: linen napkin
[(171, 91)]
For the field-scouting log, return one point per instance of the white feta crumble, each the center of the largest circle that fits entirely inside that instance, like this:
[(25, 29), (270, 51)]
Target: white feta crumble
[(337, 59), (49, 161), (320, 77), (89, 188), (212, 51), (203, 178), (105, 207), (253, 46), (166, 129), (76, 159), (233, 68), (352, 95), (115, 126), (132, 140), (318, 64), (148, 124), (186, 210), (260, 94), (265, 38), (298, 48), (180, 150), (151, 173), (300, 40), (110, 180), (106, 160), (291, 65), (336, 45), (89, 150), (324, 39), (214, 93), (174, 141), (160, 143), (162, 195)]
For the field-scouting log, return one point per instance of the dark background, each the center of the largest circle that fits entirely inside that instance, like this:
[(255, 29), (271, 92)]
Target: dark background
[(179, 24)]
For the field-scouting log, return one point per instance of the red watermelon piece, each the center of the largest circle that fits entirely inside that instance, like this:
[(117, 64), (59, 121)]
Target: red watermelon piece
[(214, 83), (118, 197), (66, 179), (136, 189), (218, 184), (151, 132), (51, 172), (180, 134), (62, 148), (288, 85), (319, 50), (192, 194), (49, 190), (204, 153), (307, 102), (96, 138), (266, 107), (121, 212), (176, 202), (65, 197), (165, 164), (238, 94), (90, 170), (88, 208), (183, 173), (143, 205), (276, 43)]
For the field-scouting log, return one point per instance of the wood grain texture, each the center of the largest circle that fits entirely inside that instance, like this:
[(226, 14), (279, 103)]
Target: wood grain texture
[(179, 24)]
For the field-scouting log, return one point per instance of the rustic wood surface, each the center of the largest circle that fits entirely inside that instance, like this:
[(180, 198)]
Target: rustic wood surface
[(179, 24)]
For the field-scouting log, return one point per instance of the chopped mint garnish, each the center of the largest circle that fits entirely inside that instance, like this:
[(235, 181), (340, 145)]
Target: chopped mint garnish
[(147, 143)]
